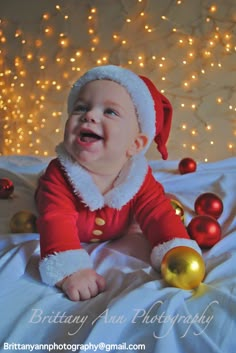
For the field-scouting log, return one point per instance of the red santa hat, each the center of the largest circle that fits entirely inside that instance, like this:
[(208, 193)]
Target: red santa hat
[(154, 111)]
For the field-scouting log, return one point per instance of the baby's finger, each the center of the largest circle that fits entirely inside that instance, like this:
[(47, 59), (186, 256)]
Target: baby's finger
[(85, 293), (73, 294), (101, 283)]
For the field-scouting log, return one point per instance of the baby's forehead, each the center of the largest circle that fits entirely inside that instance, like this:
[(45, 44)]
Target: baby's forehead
[(109, 92), (106, 87)]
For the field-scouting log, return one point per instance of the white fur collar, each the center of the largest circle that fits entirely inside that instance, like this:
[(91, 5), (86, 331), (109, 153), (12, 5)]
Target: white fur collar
[(126, 186)]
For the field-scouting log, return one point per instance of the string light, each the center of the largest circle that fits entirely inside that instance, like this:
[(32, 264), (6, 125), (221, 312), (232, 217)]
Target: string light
[(46, 16), (47, 74), (213, 8)]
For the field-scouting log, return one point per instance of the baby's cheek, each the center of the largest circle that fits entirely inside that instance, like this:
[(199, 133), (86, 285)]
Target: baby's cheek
[(70, 131)]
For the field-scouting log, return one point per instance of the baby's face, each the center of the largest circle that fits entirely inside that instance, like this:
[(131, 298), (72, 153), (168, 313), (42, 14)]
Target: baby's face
[(102, 132)]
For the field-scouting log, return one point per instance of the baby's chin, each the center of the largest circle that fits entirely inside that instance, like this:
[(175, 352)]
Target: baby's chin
[(87, 159), (93, 159)]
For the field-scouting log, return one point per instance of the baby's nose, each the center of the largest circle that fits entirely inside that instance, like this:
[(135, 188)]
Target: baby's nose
[(92, 115)]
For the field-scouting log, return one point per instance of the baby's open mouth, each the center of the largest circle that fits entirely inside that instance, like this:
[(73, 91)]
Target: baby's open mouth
[(89, 136)]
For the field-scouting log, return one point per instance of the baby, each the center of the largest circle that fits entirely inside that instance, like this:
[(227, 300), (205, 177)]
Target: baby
[(101, 181)]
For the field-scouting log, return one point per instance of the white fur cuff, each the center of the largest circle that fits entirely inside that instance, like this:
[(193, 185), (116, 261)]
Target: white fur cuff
[(57, 266), (159, 251)]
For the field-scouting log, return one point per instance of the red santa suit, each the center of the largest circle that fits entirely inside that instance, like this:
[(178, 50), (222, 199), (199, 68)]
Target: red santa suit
[(72, 211)]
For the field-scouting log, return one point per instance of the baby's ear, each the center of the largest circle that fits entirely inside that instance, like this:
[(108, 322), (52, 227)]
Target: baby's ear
[(138, 144)]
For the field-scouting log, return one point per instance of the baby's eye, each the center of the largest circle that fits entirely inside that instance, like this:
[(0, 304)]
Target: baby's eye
[(111, 112), (80, 108)]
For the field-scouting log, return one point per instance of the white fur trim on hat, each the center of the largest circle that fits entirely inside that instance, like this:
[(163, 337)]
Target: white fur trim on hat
[(159, 251), (54, 268), (137, 89)]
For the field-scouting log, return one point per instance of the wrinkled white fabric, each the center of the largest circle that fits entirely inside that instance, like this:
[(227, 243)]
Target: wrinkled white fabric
[(137, 306)]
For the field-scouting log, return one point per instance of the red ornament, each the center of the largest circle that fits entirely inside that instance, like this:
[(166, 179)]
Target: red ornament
[(187, 165), (6, 188), (209, 204), (205, 230)]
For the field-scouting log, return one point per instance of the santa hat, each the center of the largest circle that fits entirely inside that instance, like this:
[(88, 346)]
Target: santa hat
[(154, 111)]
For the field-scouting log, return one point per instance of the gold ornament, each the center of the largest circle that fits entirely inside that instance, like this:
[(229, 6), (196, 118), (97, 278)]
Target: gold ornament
[(183, 267), (23, 222), (179, 211)]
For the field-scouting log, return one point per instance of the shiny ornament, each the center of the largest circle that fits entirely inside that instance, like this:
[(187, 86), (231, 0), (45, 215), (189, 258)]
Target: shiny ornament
[(6, 188), (23, 222), (187, 165), (205, 230), (183, 267), (209, 204), (179, 211)]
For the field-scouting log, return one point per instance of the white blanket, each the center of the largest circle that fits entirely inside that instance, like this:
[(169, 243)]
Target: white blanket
[(138, 312)]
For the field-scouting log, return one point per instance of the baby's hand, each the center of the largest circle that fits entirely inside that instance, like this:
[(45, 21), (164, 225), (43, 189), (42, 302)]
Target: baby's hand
[(82, 285)]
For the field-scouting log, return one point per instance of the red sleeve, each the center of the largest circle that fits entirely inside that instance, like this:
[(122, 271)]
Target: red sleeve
[(155, 214), (57, 222)]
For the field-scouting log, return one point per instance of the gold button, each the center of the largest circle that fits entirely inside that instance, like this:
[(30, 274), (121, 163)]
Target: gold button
[(97, 232), (94, 240), (99, 221)]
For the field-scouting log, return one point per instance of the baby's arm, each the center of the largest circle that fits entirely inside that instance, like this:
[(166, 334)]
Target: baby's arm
[(82, 285), (63, 261), (159, 222)]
